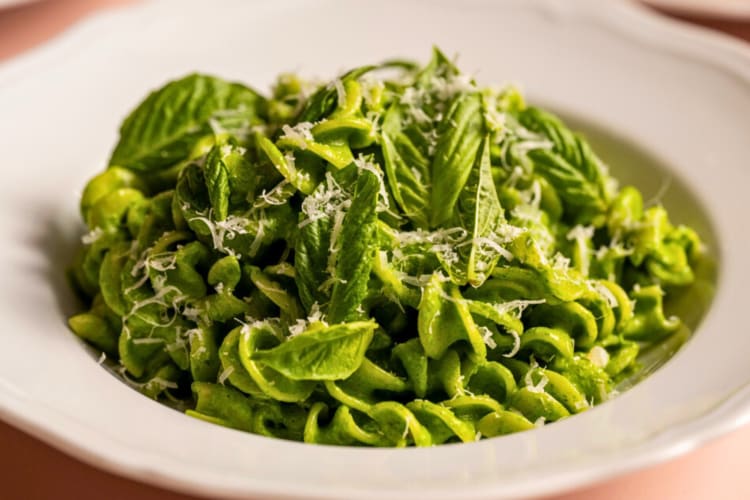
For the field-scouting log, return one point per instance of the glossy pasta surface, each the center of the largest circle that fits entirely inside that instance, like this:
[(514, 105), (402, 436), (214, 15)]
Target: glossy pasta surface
[(395, 257)]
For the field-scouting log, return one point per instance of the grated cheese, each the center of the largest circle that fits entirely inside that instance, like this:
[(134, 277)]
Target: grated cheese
[(275, 196), (518, 305), (598, 356), (228, 229), (363, 163), (604, 292), (148, 340), (324, 203), (298, 134), (225, 374), (340, 92), (92, 236), (487, 337), (516, 344)]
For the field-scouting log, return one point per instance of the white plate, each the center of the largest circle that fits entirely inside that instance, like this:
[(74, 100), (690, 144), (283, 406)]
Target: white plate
[(736, 9), (681, 96)]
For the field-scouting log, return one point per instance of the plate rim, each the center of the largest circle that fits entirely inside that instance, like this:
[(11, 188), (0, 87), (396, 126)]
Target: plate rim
[(735, 12)]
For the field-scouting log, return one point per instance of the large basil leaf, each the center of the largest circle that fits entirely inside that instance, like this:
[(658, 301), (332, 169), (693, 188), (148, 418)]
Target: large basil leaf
[(310, 260), (430, 147), (165, 127), (460, 137), (336, 244), (320, 353), (479, 212), (571, 166), (356, 251), (408, 170)]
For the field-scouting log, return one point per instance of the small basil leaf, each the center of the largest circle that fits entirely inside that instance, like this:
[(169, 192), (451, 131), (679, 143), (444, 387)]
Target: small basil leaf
[(217, 183)]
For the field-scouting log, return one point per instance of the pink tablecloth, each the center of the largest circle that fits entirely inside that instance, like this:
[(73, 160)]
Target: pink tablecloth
[(29, 469)]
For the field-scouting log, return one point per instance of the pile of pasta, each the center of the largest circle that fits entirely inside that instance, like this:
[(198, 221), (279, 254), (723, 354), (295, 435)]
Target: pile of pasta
[(408, 259)]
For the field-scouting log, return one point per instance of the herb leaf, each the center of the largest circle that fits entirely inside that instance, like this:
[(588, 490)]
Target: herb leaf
[(430, 140), (571, 166), (479, 212), (217, 183), (320, 353), (355, 251), (164, 128)]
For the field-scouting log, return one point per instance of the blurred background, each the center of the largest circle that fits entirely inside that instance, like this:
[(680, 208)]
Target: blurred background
[(30, 469), (27, 23)]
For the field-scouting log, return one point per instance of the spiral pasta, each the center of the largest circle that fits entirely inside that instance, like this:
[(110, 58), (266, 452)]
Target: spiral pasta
[(372, 262)]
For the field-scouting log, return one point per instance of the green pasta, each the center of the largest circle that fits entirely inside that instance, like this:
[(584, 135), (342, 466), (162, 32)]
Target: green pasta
[(408, 259)]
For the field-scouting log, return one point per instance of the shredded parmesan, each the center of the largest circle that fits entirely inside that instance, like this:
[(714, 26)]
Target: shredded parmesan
[(487, 337), (539, 386), (259, 234), (598, 356), (315, 316), (363, 163), (227, 229), (92, 236), (516, 345), (148, 340), (324, 202), (340, 92), (163, 383), (225, 374), (604, 292), (580, 233), (298, 134), (516, 305), (275, 196), (447, 88)]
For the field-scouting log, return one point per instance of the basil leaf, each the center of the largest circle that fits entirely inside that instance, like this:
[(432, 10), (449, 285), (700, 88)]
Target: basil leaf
[(336, 243), (321, 211), (310, 260), (320, 353), (356, 251), (479, 212), (217, 183), (571, 166), (408, 170), (429, 147), (166, 126), (264, 335), (460, 138)]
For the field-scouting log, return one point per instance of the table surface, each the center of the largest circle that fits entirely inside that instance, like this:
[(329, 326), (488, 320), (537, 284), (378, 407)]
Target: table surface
[(30, 469)]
